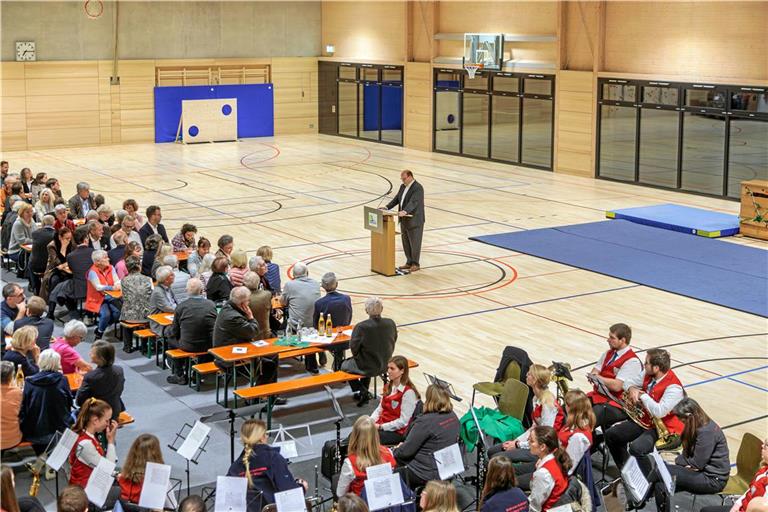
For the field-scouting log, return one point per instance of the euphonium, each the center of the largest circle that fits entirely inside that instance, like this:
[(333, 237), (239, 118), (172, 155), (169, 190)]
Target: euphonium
[(638, 414)]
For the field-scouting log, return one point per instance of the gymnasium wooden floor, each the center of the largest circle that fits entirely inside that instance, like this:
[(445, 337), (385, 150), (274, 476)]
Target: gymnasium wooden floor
[(303, 195)]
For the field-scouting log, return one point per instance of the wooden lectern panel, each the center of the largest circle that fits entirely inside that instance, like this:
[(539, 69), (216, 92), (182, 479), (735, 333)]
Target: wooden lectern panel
[(383, 247)]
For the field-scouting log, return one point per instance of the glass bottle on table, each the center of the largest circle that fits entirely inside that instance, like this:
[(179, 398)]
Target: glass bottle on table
[(328, 326), (321, 326)]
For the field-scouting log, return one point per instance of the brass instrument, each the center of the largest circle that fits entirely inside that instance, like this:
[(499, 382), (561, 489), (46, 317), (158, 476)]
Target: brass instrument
[(36, 468)]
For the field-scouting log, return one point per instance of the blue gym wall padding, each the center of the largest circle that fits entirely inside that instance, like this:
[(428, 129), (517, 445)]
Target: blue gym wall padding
[(391, 107), (255, 108)]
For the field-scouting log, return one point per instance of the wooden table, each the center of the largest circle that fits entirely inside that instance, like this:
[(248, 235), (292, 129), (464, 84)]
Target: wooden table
[(252, 353), (115, 294), (27, 247), (75, 380), (163, 319), (181, 255), (276, 304)]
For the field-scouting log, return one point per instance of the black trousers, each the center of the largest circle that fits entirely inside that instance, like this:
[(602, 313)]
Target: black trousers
[(411, 479), (608, 415), (628, 438), (390, 438), (516, 455), (694, 482)]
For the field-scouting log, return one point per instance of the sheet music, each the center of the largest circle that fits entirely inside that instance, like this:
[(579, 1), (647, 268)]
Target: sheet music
[(287, 448), (378, 471), (155, 486), (634, 479), (230, 494), (64, 447), (291, 500), (100, 482), (666, 477), (449, 461), (562, 508), (194, 440), (384, 492)]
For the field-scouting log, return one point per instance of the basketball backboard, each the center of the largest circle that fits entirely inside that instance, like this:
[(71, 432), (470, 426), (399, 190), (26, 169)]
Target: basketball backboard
[(484, 49)]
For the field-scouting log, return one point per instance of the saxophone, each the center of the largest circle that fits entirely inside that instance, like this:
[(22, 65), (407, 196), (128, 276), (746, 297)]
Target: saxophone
[(36, 468)]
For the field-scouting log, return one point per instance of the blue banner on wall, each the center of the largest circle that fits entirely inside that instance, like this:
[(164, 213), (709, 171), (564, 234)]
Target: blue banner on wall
[(255, 108)]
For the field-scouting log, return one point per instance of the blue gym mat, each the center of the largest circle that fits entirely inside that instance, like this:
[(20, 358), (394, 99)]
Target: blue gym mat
[(722, 273), (684, 219)]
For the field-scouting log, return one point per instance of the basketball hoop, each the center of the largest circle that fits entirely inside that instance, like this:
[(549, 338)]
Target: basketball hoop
[(93, 8), (472, 69)]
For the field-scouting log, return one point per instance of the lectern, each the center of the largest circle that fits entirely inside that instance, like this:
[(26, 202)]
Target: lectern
[(381, 224)]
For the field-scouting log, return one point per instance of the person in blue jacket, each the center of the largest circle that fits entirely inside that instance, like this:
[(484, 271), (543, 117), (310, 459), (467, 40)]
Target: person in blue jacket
[(500, 492), (266, 470)]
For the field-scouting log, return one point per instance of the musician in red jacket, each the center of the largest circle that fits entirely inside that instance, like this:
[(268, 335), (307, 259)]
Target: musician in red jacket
[(661, 391)]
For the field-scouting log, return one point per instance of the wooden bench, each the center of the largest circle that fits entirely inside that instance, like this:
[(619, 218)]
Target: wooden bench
[(283, 387), (154, 343), (128, 328), (177, 354)]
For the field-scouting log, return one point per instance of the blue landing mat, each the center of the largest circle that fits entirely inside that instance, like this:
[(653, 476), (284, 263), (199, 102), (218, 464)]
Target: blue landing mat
[(722, 273), (684, 219)]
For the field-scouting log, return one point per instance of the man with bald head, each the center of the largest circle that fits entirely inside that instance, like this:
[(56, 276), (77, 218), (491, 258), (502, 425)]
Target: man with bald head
[(410, 210)]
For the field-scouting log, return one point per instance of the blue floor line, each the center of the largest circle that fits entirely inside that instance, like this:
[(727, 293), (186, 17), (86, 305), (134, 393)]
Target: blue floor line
[(726, 377), (748, 384)]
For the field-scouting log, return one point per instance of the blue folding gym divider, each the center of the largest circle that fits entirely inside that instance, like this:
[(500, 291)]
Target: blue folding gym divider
[(255, 108), (391, 107)]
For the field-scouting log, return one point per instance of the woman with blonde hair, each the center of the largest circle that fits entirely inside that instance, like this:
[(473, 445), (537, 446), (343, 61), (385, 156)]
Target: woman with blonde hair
[(23, 350), (435, 429), (438, 496), (273, 269), (398, 403), (45, 204), (546, 411), (266, 470), (364, 451), (238, 268), (204, 271), (163, 249), (145, 448)]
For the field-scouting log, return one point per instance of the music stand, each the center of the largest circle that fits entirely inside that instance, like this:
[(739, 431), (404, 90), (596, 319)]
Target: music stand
[(482, 456), (181, 435), (433, 379), (231, 415)]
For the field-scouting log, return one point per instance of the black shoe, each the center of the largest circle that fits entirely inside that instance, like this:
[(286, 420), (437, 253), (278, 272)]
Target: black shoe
[(365, 397), (97, 335), (313, 371), (280, 401), (175, 379), (323, 359)]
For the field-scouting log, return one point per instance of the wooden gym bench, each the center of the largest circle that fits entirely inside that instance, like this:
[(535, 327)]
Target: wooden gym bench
[(283, 387), (178, 354)]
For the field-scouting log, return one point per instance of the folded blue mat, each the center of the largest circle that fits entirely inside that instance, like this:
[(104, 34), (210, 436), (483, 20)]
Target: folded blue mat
[(684, 219)]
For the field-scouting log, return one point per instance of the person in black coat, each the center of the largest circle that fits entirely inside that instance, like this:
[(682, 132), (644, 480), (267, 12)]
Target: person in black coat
[(44, 326), (106, 381), (151, 245), (219, 286), (80, 261), (500, 491), (47, 402), (38, 259), (410, 205), (339, 306), (372, 345), (153, 226)]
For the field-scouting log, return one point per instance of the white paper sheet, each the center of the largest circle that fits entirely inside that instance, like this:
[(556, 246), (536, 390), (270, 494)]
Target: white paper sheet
[(314, 338), (100, 482), (449, 461), (347, 332), (378, 471), (62, 450), (194, 440), (383, 492), (169, 318), (634, 479), (562, 508), (231, 494), (259, 343), (155, 486), (664, 472), (239, 350), (287, 448), (291, 500)]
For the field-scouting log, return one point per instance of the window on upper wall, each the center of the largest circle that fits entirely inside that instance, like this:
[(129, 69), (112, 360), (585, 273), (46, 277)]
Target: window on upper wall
[(537, 87), (755, 100), (348, 72), (705, 98), (619, 92), (506, 83), (448, 79), (658, 95)]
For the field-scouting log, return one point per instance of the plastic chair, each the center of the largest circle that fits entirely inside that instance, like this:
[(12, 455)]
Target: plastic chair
[(513, 398), (748, 461), (494, 389)]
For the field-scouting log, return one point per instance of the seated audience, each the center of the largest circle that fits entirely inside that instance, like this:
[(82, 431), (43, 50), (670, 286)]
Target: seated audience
[(21, 232), (260, 303), (372, 344), (351, 503), (151, 244), (273, 269), (7, 228), (259, 267), (299, 297), (437, 428), (128, 226), (179, 285), (500, 492), (38, 185), (153, 226), (106, 215), (102, 278), (8, 500), (132, 208), (163, 251), (23, 351), (137, 292), (226, 243), (238, 267), (192, 327), (218, 285), (395, 412), (704, 465), (38, 258), (79, 262), (14, 306), (364, 451), (338, 306), (145, 448), (45, 204), (26, 179), (438, 496), (56, 270), (35, 318), (105, 382), (546, 411), (55, 186), (117, 252), (550, 480), (184, 240), (205, 270), (72, 499), (162, 299), (195, 258), (62, 219), (74, 333), (132, 249), (82, 202), (754, 500), (262, 465), (99, 238), (47, 402), (10, 405)]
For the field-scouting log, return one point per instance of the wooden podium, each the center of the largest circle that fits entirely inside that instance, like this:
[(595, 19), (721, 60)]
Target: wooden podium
[(381, 224)]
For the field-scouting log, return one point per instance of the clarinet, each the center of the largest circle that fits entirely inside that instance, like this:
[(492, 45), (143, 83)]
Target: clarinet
[(337, 455)]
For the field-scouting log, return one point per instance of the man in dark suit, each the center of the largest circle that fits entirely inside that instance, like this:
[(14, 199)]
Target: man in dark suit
[(106, 381), (38, 260), (82, 202), (98, 239), (372, 345), (410, 207), (339, 306), (153, 226), (79, 261), (44, 326)]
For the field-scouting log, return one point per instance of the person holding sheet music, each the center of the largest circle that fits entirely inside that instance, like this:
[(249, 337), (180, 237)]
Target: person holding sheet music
[(550, 480), (364, 451), (500, 492), (145, 448), (704, 465), (263, 465), (398, 403), (546, 411)]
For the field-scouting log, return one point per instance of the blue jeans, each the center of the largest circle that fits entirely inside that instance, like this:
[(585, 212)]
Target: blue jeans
[(108, 313)]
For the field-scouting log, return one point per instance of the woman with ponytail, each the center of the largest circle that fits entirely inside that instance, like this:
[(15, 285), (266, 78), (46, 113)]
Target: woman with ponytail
[(364, 451), (550, 480), (145, 448), (266, 470), (398, 403), (500, 492)]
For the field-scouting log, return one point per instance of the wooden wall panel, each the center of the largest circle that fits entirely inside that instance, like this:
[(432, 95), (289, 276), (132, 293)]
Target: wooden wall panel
[(13, 122), (295, 93), (574, 123), (371, 31), (418, 106)]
